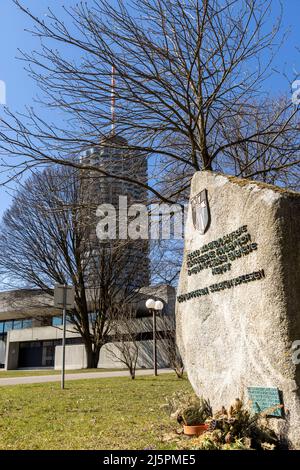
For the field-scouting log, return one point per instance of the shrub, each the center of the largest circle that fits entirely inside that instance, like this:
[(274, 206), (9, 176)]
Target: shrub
[(235, 428), (188, 409)]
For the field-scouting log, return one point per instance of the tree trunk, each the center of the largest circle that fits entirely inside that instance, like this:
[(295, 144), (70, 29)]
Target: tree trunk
[(92, 355)]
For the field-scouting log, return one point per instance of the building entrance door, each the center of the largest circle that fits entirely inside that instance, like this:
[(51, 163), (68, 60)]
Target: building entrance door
[(30, 354)]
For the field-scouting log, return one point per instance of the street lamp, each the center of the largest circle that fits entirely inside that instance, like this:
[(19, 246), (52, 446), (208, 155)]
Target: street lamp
[(64, 297), (155, 307)]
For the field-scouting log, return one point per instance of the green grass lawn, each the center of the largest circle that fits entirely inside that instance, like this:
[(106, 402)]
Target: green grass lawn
[(32, 373), (114, 413)]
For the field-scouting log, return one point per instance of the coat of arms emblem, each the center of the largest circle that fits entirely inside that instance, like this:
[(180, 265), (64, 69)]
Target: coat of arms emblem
[(200, 212)]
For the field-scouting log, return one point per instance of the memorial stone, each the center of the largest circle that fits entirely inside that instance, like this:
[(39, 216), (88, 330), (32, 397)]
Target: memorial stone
[(238, 299)]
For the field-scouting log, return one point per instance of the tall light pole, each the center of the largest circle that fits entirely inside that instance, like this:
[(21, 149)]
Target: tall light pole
[(63, 364), (64, 297), (154, 307)]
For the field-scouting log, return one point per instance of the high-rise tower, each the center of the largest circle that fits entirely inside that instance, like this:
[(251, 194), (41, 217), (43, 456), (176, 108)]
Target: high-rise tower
[(113, 156)]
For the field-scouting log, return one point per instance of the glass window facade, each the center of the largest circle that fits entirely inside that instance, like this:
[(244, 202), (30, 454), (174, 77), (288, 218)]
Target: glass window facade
[(8, 325), (27, 323), (19, 324), (56, 321)]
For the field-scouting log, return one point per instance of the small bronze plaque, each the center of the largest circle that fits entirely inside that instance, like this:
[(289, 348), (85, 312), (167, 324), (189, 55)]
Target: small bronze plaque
[(266, 398)]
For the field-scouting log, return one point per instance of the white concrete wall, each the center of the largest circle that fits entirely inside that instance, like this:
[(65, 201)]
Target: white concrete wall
[(109, 354), (12, 356), (40, 334), (75, 357), (2, 352)]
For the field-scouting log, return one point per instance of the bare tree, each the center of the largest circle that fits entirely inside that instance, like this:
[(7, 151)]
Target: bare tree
[(187, 74), (168, 345), (255, 159), (166, 261), (45, 239), (125, 347)]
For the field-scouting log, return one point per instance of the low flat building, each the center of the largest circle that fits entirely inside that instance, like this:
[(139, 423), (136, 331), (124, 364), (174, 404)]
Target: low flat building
[(31, 332)]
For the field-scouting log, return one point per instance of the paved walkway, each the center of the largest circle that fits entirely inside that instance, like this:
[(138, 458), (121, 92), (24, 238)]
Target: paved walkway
[(85, 375)]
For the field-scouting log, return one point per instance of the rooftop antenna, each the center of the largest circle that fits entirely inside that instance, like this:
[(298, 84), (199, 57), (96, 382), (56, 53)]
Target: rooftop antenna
[(113, 100)]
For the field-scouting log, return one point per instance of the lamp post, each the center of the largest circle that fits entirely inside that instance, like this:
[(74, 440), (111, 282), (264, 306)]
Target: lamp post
[(64, 297), (155, 307)]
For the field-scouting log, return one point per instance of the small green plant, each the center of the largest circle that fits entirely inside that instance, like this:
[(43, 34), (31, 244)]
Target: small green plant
[(188, 409), (197, 412)]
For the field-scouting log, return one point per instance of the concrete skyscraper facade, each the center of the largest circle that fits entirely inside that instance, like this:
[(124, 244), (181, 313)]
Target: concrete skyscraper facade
[(113, 156)]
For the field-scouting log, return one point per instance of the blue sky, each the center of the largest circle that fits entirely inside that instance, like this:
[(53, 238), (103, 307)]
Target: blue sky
[(21, 91)]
